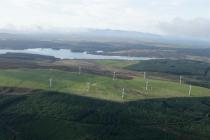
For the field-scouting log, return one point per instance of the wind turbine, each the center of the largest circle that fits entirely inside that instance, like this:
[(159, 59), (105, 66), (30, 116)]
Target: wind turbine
[(145, 75), (190, 89), (123, 93), (79, 70), (50, 82), (114, 75), (180, 80)]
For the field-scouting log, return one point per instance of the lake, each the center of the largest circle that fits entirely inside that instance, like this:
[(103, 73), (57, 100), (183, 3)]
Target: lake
[(68, 54)]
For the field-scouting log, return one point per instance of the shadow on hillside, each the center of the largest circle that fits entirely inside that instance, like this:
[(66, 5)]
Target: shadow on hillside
[(51, 115)]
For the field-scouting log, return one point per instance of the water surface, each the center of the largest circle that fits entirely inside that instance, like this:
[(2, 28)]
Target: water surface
[(68, 54)]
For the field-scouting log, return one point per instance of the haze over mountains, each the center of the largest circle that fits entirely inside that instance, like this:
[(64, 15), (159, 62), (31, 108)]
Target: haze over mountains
[(103, 35)]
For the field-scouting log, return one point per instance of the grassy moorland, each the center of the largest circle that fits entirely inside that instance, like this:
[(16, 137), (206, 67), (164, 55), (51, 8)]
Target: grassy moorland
[(194, 72), (181, 67), (96, 86)]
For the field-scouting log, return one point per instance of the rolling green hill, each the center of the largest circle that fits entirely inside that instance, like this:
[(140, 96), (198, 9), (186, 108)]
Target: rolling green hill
[(96, 86)]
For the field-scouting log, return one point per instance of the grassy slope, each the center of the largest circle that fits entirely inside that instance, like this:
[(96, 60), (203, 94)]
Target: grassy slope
[(100, 86), (194, 72), (53, 116), (183, 67)]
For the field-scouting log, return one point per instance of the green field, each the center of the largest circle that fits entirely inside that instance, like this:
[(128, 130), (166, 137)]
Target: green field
[(96, 86)]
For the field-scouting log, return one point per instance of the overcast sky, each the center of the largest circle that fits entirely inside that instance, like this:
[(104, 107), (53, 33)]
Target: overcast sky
[(174, 17)]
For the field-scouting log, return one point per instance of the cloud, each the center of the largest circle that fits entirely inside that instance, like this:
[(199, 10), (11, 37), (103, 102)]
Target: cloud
[(116, 14), (198, 27), (136, 15)]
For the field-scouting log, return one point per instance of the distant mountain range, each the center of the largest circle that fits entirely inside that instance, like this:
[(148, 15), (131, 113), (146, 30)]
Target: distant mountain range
[(108, 35)]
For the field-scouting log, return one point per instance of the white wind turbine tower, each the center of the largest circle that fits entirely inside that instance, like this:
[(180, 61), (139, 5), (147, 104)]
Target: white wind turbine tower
[(145, 74), (123, 93), (180, 80), (114, 75), (190, 89), (79, 70), (50, 82)]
